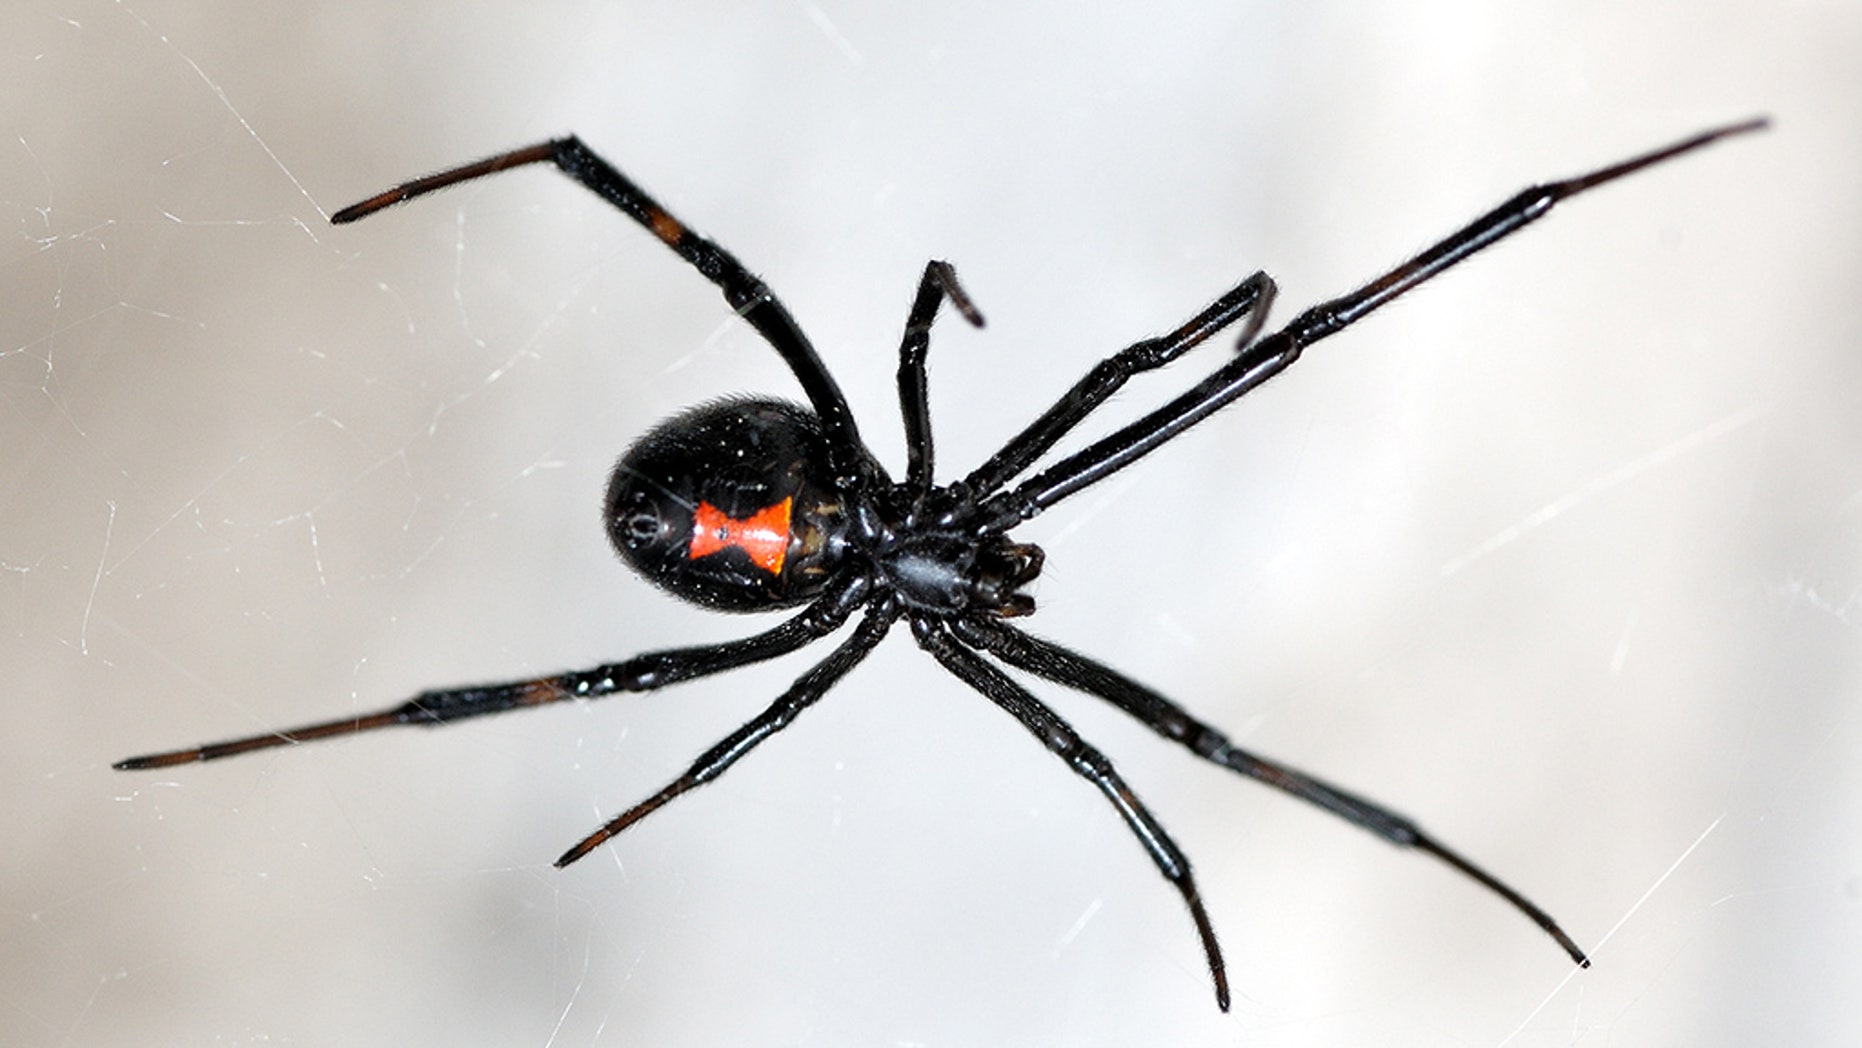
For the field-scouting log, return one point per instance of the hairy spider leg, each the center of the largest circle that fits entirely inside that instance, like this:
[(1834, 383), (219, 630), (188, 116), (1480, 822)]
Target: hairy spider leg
[(1276, 352), (1088, 763), (648, 672), (748, 295), (1066, 667)]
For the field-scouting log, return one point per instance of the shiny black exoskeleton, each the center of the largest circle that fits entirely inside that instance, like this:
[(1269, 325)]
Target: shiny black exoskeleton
[(721, 505), (681, 504), (751, 504)]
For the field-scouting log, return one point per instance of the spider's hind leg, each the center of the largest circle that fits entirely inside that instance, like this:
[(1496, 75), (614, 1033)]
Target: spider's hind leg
[(1071, 669), (1088, 763)]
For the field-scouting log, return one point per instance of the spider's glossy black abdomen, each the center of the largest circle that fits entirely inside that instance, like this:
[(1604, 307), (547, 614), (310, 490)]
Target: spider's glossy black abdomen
[(719, 505)]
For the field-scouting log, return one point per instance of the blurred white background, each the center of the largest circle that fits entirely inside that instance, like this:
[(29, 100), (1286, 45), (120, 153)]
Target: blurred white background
[(1562, 556)]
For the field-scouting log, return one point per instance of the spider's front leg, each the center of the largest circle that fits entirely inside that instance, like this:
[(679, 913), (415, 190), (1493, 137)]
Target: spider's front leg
[(1277, 352), (748, 295)]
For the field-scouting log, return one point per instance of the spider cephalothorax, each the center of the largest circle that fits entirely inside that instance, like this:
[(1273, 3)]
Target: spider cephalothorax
[(752, 504)]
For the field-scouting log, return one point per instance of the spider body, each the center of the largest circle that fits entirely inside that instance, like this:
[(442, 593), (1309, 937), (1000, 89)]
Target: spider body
[(729, 506), (755, 504)]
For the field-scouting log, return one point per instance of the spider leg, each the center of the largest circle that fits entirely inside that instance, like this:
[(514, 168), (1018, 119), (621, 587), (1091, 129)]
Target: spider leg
[(1252, 297), (807, 689), (1063, 666), (1278, 351), (646, 672), (1087, 762), (748, 295), (938, 284)]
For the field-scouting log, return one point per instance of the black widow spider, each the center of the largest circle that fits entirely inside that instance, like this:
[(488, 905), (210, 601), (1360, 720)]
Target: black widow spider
[(751, 503)]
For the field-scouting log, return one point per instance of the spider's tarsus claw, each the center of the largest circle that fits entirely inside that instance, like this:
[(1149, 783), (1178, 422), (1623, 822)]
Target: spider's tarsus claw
[(1571, 947), (156, 760), (370, 206), (596, 839), (1212, 950), (575, 853)]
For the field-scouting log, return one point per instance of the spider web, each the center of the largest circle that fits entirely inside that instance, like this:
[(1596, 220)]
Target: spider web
[(1558, 557)]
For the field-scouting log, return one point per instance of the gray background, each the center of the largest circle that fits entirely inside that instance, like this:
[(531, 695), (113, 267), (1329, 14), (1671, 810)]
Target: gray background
[(1560, 555)]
